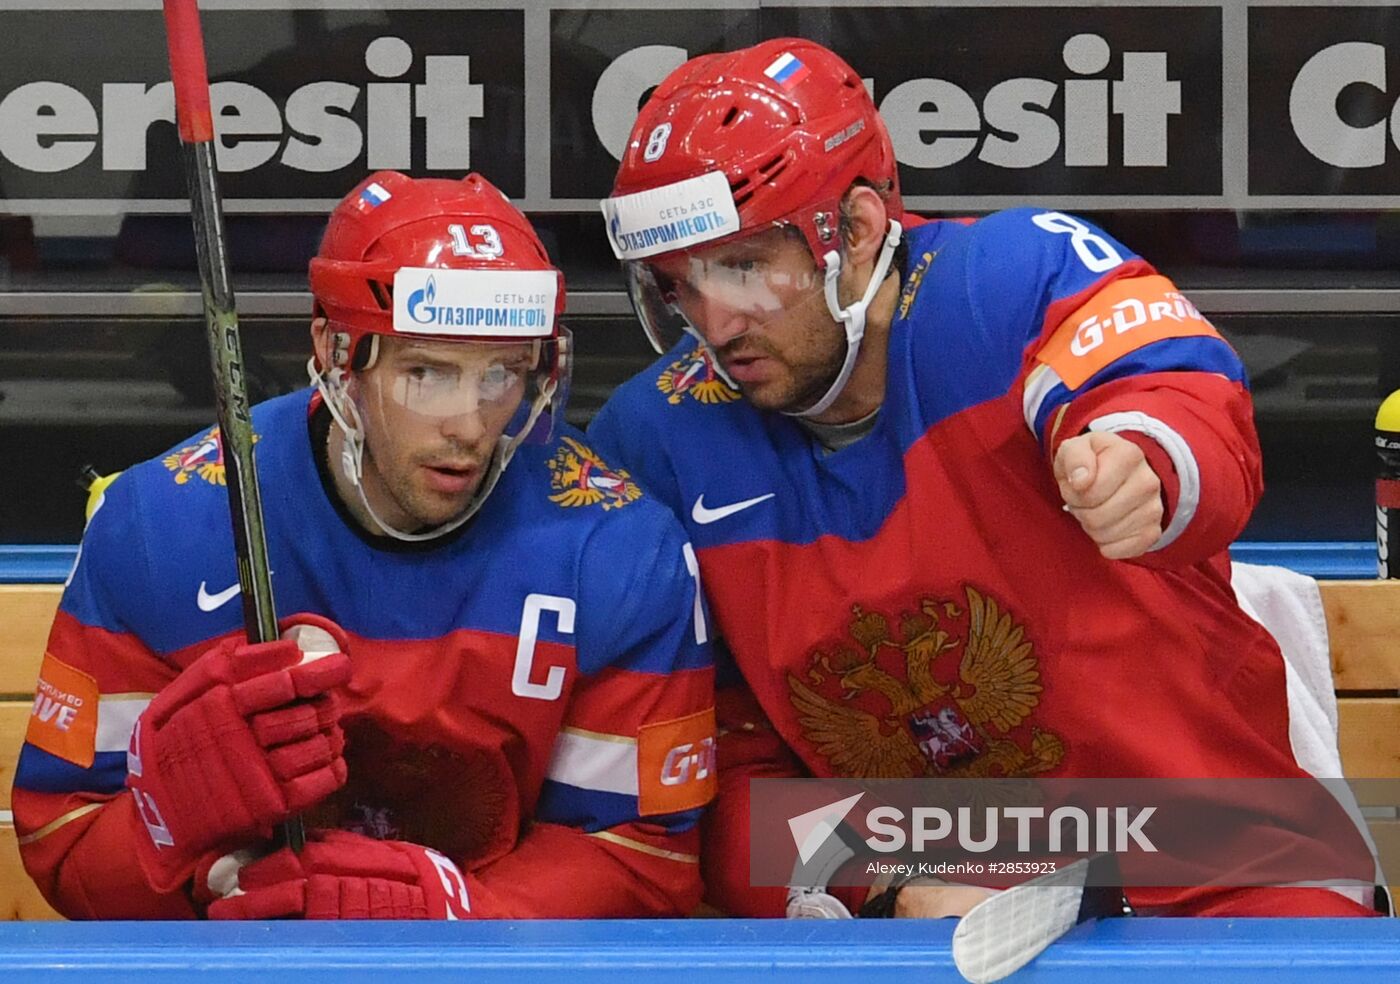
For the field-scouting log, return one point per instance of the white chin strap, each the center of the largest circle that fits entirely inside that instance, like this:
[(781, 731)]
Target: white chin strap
[(853, 317), (331, 386)]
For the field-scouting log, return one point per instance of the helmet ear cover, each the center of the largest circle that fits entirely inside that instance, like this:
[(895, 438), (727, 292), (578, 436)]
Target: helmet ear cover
[(359, 304)]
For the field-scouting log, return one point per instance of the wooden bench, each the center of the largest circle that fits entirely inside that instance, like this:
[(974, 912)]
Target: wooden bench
[(1363, 620)]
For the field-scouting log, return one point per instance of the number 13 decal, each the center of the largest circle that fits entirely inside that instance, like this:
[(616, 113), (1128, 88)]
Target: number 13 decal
[(485, 241)]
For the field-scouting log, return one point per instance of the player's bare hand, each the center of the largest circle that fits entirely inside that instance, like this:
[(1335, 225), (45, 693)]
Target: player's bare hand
[(937, 901), (1108, 486)]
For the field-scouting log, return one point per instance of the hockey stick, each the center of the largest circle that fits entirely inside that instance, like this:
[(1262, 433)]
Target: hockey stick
[(189, 74), (1002, 934)]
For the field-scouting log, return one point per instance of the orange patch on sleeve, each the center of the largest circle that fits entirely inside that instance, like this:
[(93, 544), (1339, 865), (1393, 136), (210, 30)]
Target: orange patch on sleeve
[(1124, 316), (676, 764), (63, 721)]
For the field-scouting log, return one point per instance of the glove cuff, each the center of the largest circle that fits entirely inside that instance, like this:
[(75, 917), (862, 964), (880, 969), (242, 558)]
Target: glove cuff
[(444, 886)]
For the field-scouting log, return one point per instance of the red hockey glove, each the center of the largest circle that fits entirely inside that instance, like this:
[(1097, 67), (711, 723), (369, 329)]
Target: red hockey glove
[(238, 742), (339, 875)]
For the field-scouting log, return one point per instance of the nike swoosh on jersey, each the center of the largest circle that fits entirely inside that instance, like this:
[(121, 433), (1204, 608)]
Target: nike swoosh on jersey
[(211, 602), (702, 514)]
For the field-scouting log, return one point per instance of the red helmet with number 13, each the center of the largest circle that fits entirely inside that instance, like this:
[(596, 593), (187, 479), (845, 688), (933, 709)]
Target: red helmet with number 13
[(439, 261)]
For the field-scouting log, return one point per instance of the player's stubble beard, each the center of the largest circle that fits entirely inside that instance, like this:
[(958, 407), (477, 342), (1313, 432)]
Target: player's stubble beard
[(392, 479), (811, 361), (421, 507)]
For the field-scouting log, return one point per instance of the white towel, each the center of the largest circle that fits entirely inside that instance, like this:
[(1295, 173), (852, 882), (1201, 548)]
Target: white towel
[(1289, 606)]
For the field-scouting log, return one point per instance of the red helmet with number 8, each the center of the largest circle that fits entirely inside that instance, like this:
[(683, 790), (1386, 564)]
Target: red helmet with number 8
[(736, 144), (787, 121)]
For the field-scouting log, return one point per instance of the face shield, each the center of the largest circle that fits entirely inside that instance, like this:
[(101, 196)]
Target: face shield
[(688, 269), (445, 379), (504, 387), (720, 291)]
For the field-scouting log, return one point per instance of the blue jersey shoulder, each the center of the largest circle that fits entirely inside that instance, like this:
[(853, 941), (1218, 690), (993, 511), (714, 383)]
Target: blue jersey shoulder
[(676, 386), (678, 405), (636, 586), (1004, 272), (975, 296), (161, 543), (158, 560)]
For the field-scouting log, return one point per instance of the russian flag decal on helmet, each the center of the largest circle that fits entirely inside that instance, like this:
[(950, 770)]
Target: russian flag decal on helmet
[(373, 195), (787, 70)]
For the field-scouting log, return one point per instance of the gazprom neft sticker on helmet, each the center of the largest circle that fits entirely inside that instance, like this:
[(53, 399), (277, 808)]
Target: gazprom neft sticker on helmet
[(499, 303), (673, 216)]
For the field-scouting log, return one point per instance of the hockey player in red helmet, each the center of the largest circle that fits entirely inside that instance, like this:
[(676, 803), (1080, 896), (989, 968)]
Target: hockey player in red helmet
[(730, 161), (408, 270), (902, 427), (488, 739)]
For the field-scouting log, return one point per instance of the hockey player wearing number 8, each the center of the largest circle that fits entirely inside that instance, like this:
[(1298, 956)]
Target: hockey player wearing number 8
[(978, 474), (512, 712)]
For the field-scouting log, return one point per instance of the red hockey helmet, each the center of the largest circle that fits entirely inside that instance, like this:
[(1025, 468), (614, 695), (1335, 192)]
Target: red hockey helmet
[(738, 145), (788, 124), (436, 260), (390, 259)]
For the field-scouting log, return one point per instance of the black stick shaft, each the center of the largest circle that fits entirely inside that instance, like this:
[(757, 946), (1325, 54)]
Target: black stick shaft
[(231, 390), (190, 75), (233, 412)]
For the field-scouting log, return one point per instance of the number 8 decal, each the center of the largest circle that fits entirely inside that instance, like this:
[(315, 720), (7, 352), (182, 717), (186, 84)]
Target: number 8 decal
[(656, 143), (1096, 252)]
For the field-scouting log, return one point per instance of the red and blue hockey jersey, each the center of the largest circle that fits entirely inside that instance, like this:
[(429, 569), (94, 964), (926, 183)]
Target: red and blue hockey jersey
[(532, 695), (918, 603)]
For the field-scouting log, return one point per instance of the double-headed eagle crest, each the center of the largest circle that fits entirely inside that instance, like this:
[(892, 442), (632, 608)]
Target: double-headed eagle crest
[(695, 375), (204, 458), (580, 478), (871, 724)]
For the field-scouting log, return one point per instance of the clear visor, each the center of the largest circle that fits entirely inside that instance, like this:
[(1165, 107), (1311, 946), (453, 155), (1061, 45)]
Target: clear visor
[(720, 291), (497, 382)]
